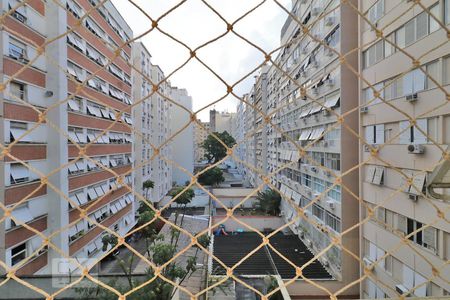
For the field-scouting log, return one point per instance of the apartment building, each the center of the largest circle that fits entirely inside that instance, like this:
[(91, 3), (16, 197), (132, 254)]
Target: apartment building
[(200, 135), (152, 126), (142, 113), (161, 121), (183, 141), (306, 112), (405, 151), (92, 88), (241, 149), (221, 121)]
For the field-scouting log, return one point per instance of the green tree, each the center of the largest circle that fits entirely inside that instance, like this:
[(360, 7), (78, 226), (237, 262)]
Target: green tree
[(212, 177), (183, 199), (147, 186), (214, 150), (269, 202)]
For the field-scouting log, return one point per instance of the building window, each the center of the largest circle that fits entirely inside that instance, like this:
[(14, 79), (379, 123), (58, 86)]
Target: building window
[(376, 11), (19, 173), (18, 253), (446, 70), (413, 82), (17, 50), (333, 222), (411, 134), (76, 135), (74, 103), (76, 41), (333, 161), (374, 54), (318, 211), (17, 90), (447, 11), (74, 8), (432, 69), (374, 134), (17, 131), (75, 71)]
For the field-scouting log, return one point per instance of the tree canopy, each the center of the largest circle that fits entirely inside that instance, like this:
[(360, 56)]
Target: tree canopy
[(184, 197), (269, 202), (214, 150), (212, 177)]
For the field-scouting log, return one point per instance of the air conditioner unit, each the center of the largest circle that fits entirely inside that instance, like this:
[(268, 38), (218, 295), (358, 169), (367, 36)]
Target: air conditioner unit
[(282, 213), (416, 149), (402, 290), (325, 112), (412, 97), (325, 144), (366, 148), (331, 204), (413, 197), (364, 109), (368, 263), (329, 82), (329, 20), (313, 169)]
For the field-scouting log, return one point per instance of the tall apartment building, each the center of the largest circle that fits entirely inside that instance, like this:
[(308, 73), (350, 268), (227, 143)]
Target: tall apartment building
[(152, 126), (405, 151), (200, 135), (183, 142), (88, 106), (312, 122), (161, 121)]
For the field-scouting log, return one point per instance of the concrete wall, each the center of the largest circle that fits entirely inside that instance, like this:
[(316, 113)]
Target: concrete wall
[(257, 222)]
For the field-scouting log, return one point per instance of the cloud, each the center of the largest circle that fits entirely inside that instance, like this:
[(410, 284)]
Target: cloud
[(194, 24)]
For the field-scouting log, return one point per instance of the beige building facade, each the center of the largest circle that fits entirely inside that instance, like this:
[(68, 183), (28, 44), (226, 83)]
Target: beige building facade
[(407, 152)]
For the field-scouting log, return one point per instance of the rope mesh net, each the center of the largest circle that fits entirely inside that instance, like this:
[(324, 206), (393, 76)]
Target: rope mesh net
[(269, 119)]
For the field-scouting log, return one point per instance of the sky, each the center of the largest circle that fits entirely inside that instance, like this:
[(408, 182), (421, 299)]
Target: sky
[(194, 24)]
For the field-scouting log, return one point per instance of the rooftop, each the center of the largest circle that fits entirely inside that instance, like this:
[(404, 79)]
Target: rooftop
[(232, 248)]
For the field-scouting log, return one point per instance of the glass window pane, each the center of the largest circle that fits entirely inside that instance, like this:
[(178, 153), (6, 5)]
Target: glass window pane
[(421, 25)]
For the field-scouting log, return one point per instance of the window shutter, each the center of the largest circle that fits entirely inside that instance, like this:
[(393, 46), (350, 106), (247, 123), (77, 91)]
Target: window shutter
[(370, 173), (378, 176), (419, 137), (370, 138), (419, 182), (429, 237), (379, 134), (404, 132), (401, 224), (381, 214)]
